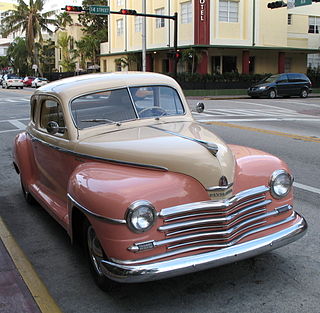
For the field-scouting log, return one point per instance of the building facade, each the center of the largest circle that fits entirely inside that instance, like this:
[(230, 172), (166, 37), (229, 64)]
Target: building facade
[(222, 35), (74, 33)]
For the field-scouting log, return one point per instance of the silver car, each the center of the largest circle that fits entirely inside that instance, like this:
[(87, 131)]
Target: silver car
[(12, 80)]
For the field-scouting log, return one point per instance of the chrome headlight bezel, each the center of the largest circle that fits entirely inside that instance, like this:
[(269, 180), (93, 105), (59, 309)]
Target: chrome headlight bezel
[(133, 211), (276, 175)]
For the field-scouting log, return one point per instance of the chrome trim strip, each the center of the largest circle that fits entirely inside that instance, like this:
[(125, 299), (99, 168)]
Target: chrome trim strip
[(212, 147), (224, 219), (225, 234), (219, 188), (221, 226), (212, 204), (77, 154), (97, 216), (128, 272), (224, 212)]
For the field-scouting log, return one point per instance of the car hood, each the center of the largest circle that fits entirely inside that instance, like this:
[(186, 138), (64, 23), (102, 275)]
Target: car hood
[(183, 147), (261, 85)]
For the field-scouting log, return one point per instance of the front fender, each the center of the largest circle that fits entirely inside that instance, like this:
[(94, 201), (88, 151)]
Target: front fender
[(22, 157), (107, 190), (254, 168)]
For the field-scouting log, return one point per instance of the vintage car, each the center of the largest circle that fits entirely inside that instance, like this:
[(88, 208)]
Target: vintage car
[(118, 160)]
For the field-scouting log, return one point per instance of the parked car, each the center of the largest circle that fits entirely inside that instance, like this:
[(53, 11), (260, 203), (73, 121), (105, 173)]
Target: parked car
[(12, 80), (39, 81), (118, 160), (289, 84), (27, 81)]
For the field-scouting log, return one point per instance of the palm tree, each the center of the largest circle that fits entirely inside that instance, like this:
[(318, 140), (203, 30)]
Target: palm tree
[(16, 55), (30, 20), (63, 19), (67, 62), (89, 46)]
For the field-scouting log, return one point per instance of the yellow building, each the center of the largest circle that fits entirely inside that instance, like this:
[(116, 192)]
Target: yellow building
[(228, 35), (75, 32)]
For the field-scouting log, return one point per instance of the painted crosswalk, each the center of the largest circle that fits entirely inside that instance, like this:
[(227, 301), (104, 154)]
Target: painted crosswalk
[(14, 100), (13, 125)]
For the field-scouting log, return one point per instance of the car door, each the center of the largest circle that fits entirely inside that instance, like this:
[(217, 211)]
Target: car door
[(295, 84), (53, 160), (282, 85)]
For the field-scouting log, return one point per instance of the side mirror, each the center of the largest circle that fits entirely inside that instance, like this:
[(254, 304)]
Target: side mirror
[(200, 107), (53, 128)]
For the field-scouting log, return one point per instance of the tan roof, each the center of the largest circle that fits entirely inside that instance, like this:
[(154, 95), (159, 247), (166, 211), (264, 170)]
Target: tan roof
[(69, 88)]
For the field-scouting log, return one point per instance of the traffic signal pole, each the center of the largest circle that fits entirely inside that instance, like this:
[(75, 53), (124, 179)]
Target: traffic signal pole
[(171, 17)]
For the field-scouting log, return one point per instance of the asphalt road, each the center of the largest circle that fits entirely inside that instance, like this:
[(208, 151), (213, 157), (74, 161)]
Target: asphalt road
[(285, 280)]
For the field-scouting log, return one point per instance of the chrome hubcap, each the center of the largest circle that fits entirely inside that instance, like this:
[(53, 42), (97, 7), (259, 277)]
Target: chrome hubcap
[(95, 250)]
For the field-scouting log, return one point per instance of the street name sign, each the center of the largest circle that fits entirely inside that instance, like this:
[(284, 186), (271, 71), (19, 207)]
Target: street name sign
[(297, 3), (99, 9)]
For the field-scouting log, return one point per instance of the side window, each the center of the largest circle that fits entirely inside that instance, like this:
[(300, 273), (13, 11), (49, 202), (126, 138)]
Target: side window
[(51, 111), (282, 79)]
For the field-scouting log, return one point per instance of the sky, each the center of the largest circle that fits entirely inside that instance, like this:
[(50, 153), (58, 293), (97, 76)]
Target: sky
[(52, 5)]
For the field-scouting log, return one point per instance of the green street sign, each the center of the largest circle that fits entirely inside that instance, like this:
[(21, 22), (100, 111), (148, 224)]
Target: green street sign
[(299, 3), (99, 9)]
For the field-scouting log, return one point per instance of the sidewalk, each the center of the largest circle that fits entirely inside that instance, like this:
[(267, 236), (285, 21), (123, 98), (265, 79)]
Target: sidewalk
[(21, 290)]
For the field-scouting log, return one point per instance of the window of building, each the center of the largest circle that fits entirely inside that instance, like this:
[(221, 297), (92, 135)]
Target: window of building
[(314, 23), (120, 27), (228, 11), (160, 21), (119, 3), (314, 61), (287, 65), (186, 12), (289, 19), (138, 24)]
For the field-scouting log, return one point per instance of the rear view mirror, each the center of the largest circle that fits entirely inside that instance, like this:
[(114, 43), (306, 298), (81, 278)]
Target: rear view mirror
[(53, 128), (200, 107)]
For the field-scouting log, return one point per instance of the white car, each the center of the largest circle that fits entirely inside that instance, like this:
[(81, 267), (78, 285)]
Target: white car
[(38, 82), (12, 80)]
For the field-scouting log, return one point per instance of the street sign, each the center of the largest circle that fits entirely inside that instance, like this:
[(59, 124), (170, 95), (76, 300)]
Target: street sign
[(99, 9), (299, 3)]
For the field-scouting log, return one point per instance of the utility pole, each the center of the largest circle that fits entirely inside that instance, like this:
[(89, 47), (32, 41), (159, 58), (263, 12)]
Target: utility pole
[(144, 38)]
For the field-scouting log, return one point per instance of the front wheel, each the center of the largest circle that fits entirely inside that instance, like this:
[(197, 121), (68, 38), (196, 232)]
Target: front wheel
[(304, 93), (94, 254), (26, 194), (272, 94)]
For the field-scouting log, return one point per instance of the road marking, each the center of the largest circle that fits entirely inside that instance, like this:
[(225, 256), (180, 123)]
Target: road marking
[(37, 288), (307, 188), (262, 119), (9, 130), (265, 131), (17, 124)]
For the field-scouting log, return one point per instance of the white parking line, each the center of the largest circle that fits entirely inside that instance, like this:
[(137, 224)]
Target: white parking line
[(306, 119), (17, 124), (307, 188)]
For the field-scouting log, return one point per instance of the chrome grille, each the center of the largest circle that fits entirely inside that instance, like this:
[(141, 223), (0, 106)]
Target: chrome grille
[(214, 222)]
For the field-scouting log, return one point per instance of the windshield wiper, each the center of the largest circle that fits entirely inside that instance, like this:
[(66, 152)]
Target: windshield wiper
[(101, 120)]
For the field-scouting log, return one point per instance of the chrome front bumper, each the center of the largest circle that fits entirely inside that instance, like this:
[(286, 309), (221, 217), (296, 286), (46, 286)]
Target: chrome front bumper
[(183, 265)]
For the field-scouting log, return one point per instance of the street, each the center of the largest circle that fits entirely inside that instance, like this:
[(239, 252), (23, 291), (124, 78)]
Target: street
[(285, 280)]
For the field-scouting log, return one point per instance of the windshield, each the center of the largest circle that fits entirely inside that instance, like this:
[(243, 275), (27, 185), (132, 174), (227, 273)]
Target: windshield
[(124, 104), (270, 79)]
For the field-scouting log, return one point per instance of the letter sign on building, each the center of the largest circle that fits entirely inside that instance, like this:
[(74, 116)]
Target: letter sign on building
[(202, 22)]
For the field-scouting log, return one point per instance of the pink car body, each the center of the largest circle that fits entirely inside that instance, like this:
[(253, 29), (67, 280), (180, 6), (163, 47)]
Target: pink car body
[(154, 193)]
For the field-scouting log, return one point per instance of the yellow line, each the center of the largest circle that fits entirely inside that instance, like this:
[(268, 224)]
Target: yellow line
[(265, 131), (37, 288)]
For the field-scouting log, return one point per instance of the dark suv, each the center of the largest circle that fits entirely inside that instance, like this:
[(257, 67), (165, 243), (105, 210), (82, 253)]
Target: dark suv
[(288, 84)]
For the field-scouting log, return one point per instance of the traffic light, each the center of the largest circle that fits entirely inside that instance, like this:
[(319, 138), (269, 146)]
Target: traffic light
[(128, 12), (72, 8), (276, 4), (177, 55)]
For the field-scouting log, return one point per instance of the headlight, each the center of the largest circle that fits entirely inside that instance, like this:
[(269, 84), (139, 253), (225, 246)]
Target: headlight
[(141, 216), (280, 184), (262, 88)]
